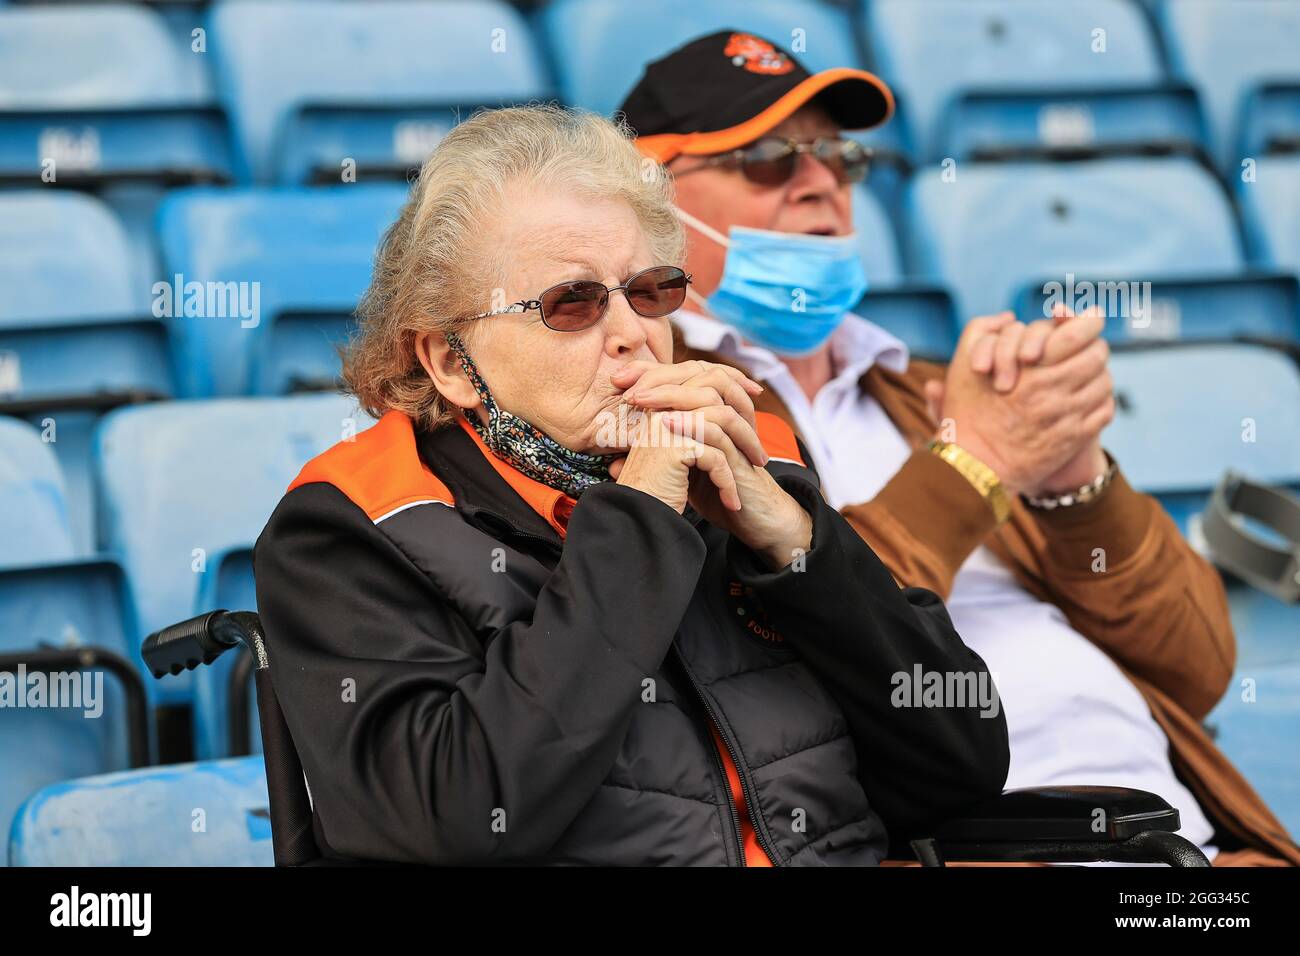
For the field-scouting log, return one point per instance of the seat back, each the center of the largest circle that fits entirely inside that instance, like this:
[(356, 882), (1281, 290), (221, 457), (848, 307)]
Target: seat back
[(936, 51), (246, 256), (1263, 306), (1271, 208), (1228, 48), (202, 814), (601, 47), (274, 59), (183, 483), (992, 227), (1188, 413), (104, 92), (922, 316), (64, 257), (62, 718), (34, 526)]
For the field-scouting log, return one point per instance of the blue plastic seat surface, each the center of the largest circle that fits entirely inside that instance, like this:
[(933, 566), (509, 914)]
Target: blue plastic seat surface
[(33, 499), (1227, 48), (997, 226), (286, 56), (1188, 413), (936, 50), (601, 47), (204, 814), (287, 248), (182, 483)]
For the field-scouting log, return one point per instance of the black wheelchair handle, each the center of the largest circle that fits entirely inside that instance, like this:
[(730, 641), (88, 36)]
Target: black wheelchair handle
[(184, 646)]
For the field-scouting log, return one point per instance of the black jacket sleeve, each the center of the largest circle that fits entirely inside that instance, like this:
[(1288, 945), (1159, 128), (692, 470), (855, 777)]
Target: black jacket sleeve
[(422, 739), (858, 631)]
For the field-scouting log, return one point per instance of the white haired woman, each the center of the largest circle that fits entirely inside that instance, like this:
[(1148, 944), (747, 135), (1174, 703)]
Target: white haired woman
[(508, 629)]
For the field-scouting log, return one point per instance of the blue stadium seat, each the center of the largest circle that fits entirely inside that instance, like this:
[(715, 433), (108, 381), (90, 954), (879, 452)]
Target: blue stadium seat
[(1257, 726), (1188, 413), (1229, 49), (34, 524), (922, 316), (980, 73), (1271, 208), (182, 483), (876, 239), (302, 256), (274, 60), (1184, 418), (113, 98), (997, 227), (204, 814), (76, 333), (600, 47), (1252, 306), (65, 629)]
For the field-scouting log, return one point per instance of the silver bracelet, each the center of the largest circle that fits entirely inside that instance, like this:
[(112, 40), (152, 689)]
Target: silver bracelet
[(1088, 492)]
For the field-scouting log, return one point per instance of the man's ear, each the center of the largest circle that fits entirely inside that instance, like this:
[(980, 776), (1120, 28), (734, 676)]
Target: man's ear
[(443, 366)]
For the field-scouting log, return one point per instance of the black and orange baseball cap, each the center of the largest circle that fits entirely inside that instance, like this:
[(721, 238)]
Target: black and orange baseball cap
[(724, 90)]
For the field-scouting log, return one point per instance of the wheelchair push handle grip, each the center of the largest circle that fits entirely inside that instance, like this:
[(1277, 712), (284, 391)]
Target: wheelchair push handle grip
[(186, 645)]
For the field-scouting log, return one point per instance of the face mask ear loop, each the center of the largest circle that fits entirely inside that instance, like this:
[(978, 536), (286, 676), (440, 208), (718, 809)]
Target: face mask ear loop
[(702, 227)]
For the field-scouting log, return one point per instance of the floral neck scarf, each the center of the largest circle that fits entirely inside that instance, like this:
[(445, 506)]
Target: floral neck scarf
[(526, 447)]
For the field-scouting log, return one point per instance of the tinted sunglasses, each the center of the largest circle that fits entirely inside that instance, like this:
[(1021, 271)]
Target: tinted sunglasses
[(771, 161), (581, 303)]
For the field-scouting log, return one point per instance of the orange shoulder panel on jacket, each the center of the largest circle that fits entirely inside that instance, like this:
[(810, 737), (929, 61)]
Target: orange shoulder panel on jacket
[(380, 469), (778, 438)]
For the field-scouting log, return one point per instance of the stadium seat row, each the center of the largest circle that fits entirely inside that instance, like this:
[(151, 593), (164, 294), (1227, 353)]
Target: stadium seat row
[(125, 91)]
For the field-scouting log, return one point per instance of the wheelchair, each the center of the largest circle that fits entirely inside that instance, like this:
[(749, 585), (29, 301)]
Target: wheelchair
[(1073, 824)]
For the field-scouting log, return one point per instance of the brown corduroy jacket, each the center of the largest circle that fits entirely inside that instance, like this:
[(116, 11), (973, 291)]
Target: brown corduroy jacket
[(1158, 609)]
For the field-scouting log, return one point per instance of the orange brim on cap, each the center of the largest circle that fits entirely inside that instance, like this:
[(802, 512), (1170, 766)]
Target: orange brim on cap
[(666, 147)]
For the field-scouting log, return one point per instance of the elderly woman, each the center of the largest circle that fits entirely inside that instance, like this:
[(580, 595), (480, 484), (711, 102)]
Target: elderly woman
[(568, 602)]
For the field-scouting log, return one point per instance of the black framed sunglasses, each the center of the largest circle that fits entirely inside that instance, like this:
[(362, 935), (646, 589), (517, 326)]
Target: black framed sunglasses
[(772, 160), (581, 303)]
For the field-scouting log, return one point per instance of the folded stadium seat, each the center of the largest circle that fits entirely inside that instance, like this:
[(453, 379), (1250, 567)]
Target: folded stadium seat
[(313, 83), (1020, 79), (183, 483), (76, 334), (600, 47), (265, 281), (998, 227), (61, 615), (1241, 55), (205, 814), (109, 98), (1271, 209), (1256, 306), (923, 316), (1188, 413)]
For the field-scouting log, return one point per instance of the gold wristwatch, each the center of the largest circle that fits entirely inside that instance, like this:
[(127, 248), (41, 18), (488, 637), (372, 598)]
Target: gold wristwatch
[(981, 477)]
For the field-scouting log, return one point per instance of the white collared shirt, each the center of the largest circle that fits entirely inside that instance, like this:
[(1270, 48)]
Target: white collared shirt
[(1072, 715)]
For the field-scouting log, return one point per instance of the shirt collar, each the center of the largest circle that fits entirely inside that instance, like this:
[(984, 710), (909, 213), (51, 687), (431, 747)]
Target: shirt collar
[(553, 505), (856, 345)]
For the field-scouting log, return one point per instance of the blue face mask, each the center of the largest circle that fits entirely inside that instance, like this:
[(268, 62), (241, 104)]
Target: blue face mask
[(785, 291)]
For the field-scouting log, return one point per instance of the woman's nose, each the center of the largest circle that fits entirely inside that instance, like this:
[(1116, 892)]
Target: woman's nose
[(624, 330)]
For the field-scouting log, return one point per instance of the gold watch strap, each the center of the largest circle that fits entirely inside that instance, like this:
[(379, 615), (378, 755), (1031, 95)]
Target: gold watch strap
[(981, 477)]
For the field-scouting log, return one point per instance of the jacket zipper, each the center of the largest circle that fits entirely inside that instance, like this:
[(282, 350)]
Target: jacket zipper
[(704, 701), (726, 784)]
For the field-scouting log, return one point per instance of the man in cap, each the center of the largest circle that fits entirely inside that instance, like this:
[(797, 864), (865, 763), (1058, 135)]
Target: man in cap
[(983, 480)]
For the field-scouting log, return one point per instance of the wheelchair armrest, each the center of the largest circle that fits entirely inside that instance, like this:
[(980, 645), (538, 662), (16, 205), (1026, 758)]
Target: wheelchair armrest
[(1061, 813), (1062, 825)]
